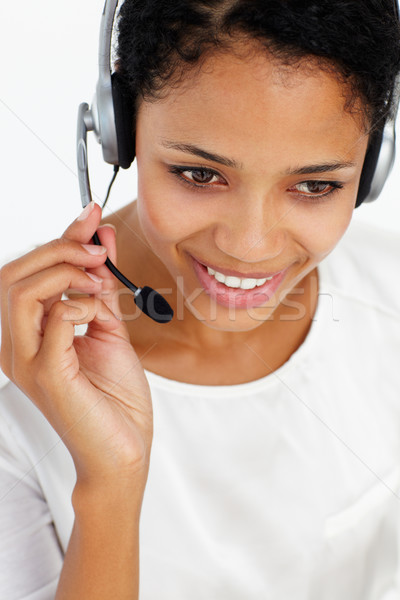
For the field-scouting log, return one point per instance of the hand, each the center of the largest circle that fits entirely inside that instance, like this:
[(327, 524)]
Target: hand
[(92, 388)]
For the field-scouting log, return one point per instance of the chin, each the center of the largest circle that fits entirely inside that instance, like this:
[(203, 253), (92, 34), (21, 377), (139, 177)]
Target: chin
[(231, 319)]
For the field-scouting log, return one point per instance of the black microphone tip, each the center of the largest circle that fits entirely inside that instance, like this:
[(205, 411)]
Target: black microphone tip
[(154, 305)]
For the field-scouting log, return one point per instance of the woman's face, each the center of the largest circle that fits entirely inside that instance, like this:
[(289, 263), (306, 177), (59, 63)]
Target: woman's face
[(251, 171)]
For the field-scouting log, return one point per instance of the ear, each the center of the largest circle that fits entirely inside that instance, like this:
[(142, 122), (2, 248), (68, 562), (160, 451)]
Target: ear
[(124, 120)]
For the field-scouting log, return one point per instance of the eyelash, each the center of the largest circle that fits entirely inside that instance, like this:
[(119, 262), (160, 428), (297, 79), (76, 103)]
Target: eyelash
[(334, 186), (178, 172)]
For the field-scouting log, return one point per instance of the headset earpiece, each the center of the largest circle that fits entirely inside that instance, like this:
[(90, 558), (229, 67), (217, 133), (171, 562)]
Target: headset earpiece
[(124, 120), (369, 167), (112, 119), (112, 113), (381, 153), (378, 163)]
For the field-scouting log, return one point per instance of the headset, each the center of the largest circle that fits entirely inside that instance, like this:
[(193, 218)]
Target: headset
[(111, 119)]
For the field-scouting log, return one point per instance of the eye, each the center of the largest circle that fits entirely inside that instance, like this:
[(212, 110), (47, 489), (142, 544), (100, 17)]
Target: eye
[(198, 177), (313, 187), (201, 176), (316, 189)]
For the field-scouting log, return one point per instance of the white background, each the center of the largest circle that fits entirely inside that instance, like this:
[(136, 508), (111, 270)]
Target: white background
[(49, 66)]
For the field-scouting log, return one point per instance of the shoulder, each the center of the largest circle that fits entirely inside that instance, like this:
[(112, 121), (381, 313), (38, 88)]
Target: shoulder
[(364, 267), (26, 425), (30, 446), (21, 417)]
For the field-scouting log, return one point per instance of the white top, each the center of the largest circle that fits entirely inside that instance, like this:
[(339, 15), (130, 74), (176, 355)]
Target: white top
[(283, 488)]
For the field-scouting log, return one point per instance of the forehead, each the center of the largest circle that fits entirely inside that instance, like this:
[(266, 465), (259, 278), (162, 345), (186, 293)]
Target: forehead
[(252, 104)]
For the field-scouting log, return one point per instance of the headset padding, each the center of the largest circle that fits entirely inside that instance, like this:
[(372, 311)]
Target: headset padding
[(369, 167), (124, 121)]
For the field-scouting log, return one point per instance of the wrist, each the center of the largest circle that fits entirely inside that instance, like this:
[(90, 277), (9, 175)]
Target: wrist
[(114, 473), (101, 494)]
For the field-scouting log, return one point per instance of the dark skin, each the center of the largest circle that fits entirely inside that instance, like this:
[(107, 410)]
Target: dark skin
[(297, 119), (265, 208), (245, 361)]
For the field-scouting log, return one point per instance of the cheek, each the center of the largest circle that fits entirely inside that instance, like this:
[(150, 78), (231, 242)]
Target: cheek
[(156, 214), (168, 213), (321, 235), (167, 219)]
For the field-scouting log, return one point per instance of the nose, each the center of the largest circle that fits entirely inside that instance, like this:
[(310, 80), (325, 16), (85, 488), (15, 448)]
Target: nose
[(252, 232)]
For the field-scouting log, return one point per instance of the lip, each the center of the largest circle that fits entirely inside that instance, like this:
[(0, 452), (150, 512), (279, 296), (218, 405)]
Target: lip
[(236, 297), (231, 273)]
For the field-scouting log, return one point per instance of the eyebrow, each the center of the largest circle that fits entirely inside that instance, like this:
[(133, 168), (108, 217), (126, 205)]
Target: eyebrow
[(322, 168), (196, 151), (229, 162)]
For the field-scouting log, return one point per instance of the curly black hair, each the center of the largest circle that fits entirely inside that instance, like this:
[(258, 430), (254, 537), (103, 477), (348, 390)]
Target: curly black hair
[(358, 40)]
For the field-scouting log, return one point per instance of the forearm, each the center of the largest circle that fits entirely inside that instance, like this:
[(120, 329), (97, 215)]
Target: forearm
[(102, 560)]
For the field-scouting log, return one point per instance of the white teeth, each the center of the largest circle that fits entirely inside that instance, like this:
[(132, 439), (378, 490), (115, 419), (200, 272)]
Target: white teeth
[(219, 277), (233, 282), (248, 284), (245, 283)]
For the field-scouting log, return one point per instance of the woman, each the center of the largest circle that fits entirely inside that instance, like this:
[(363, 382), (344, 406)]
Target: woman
[(270, 466)]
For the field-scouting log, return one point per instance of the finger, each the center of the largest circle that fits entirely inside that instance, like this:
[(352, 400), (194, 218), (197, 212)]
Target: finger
[(55, 252), (75, 250), (85, 225), (111, 287), (26, 305), (107, 236), (108, 240), (58, 337)]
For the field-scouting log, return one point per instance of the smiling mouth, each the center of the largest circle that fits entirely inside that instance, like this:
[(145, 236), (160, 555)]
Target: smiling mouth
[(228, 289), (235, 279)]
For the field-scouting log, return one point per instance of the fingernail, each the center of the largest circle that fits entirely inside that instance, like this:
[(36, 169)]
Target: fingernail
[(108, 225), (94, 249), (94, 277), (86, 211)]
